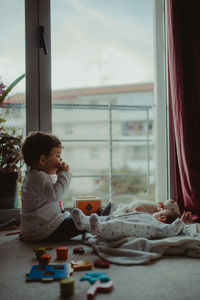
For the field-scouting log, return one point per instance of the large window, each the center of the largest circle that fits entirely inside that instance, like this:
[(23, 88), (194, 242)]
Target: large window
[(12, 66), (103, 96), (95, 77), (12, 61)]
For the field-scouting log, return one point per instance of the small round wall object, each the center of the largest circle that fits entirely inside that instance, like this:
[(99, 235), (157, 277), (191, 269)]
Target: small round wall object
[(62, 253), (78, 250), (67, 287), (103, 264)]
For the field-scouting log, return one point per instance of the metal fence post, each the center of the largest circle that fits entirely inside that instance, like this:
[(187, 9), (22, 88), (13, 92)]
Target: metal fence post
[(110, 149)]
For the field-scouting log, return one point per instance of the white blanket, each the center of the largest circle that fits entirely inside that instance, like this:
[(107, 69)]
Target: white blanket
[(136, 251)]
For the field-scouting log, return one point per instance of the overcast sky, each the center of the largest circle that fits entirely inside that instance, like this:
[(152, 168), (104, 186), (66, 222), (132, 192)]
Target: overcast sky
[(94, 42)]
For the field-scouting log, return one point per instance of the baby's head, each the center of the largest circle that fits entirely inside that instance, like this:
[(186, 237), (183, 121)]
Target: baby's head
[(38, 143), (166, 216)]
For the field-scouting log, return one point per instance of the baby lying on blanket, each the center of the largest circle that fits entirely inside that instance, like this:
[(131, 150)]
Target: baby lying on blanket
[(164, 223), (146, 206)]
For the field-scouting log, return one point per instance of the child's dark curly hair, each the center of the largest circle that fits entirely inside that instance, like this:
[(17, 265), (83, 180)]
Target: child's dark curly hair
[(171, 216), (38, 143)]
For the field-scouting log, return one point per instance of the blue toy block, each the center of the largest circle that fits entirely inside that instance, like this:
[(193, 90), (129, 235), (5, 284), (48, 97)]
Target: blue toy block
[(92, 277), (47, 273)]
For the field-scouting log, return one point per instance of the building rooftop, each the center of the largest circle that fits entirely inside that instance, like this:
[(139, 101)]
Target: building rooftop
[(89, 91)]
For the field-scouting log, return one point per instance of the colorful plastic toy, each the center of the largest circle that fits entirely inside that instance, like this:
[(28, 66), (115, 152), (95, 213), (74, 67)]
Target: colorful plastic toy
[(39, 252), (62, 253), (103, 264), (78, 250), (99, 287), (45, 259), (81, 265), (67, 287), (46, 248), (48, 273), (92, 277)]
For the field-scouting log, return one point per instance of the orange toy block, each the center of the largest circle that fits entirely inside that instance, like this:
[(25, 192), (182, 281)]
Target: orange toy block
[(62, 253), (88, 204), (45, 259), (81, 265)]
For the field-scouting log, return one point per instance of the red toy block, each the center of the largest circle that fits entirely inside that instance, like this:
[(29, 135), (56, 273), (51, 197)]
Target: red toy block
[(103, 264), (99, 287), (78, 250), (62, 253)]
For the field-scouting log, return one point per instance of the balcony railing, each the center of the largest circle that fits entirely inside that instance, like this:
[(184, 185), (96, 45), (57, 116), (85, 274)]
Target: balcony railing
[(109, 147)]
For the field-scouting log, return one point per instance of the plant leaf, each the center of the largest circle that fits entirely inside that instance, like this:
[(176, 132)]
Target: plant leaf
[(10, 87)]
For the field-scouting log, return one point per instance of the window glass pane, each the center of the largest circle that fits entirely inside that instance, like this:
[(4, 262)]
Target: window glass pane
[(103, 99), (12, 65)]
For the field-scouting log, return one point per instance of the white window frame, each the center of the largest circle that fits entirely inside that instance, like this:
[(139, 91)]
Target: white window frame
[(161, 102)]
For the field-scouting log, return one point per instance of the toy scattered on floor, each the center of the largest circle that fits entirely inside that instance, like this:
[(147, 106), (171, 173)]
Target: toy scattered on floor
[(99, 287), (92, 277), (146, 206), (78, 250), (103, 264), (67, 287), (46, 248), (45, 259), (13, 233), (39, 252), (81, 265), (48, 273), (88, 204), (62, 253)]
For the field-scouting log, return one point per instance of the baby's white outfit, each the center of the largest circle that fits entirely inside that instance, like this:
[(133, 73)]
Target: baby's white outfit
[(41, 214), (137, 225)]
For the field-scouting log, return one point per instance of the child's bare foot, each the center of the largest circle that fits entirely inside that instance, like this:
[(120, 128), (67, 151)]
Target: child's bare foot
[(81, 221)]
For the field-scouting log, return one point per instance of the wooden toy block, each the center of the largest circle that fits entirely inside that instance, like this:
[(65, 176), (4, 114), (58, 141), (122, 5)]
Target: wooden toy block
[(67, 287), (81, 265), (39, 252), (78, 250), (88, 204), (99, 287), (62, 253), (103, 264), (47, 273), (92, 277), (45, 259)]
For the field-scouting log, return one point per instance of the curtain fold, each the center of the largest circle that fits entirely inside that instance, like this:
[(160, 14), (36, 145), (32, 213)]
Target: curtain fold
[(184, 97)]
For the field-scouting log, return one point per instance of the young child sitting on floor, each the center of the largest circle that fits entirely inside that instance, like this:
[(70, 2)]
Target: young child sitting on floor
[(164, 223), (41, 216)]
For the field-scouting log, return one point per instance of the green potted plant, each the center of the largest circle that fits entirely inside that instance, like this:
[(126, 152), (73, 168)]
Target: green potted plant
[(10, 153)]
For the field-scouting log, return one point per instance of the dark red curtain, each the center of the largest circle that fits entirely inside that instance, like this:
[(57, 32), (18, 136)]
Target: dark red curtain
[(184, 97)]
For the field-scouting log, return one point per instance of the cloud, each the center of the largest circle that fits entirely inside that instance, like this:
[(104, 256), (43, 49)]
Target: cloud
[(93, 42), (99, 48)]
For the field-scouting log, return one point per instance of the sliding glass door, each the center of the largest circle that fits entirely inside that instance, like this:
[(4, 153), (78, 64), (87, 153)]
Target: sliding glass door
[(103, 96)]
